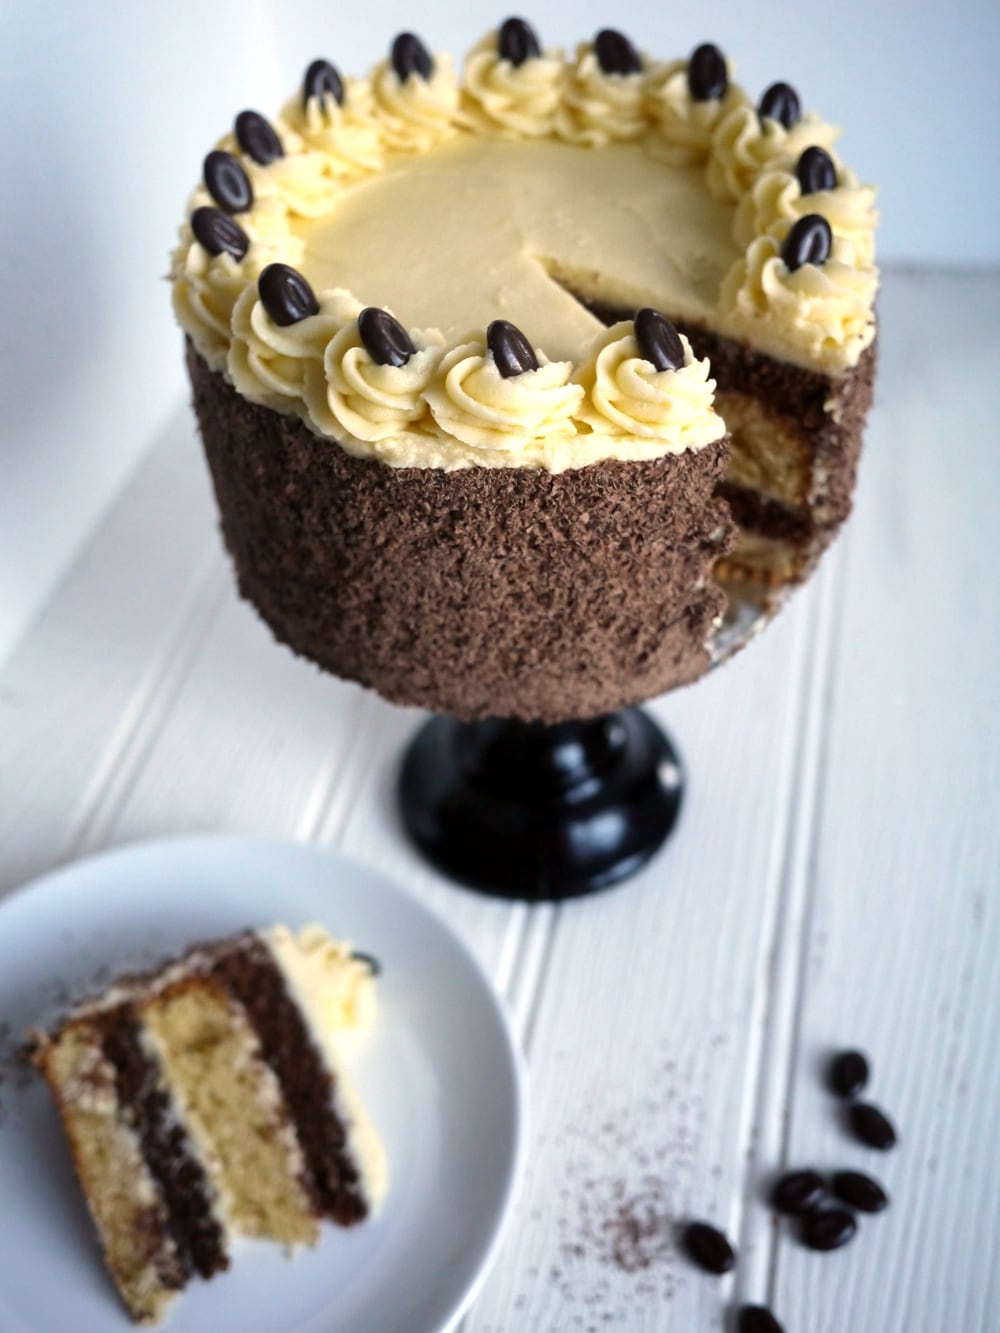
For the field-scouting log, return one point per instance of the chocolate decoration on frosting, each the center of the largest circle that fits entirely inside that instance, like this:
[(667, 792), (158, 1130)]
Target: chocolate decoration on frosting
[(322, 80), (257, 138), (615, 53), (511, 350), (659, 342), (808, 242), (781, 103), (757, 1319), (707, 75), (385, 339), (286, 295), (227, 182), (410, 56), (217, 233), (370, 961), (828, 1229), (517, 42), (815, 171)]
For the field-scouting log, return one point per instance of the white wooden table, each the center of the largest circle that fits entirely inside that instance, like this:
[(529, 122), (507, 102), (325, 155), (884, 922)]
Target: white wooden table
[(833, 881)]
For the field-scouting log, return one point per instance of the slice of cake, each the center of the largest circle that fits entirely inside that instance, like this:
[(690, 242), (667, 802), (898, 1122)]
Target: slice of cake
[(209, 1099)]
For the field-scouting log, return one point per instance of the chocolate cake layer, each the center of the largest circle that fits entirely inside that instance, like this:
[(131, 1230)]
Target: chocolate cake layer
[(480, 592)]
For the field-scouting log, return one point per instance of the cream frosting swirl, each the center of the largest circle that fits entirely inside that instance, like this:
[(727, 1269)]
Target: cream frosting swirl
[(684, 125), (347, 135), (270, 363), (518, 101), (597, 108), (776, 201), (744, 144), (414, 114)]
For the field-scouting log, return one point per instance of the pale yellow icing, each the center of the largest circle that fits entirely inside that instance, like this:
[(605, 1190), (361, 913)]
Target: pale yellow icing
[(598, 108), (347, 135), (518, 101), (683, 125), (744, 143), (415, 114), (776, 200)]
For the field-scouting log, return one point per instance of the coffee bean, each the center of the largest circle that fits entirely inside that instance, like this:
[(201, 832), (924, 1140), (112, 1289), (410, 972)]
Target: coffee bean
[(511, 350), (286, 295), (871, 1125), (707, 75), (827, 1229), (659, 342), (227, 182), (410, 56), (709, 1248), (815, 171), (615, 53), (860, 1191), (849, 1070), (517, 42), (217, 232), (257, 138), (781, 103), (322, 80), (799, 1192), (757, 1319), (809, 242), (370, 961), (385, 339)]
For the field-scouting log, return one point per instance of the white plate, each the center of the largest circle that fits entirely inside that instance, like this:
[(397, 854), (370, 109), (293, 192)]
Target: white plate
[(441, 1077)]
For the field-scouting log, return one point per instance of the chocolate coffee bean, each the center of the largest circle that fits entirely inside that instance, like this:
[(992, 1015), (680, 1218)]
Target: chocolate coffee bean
[(218, 233), (827, 1229), (659, 342), (227, 182), (815, 171), (709, 1248), (860, 1191), (781, 103), (707, 75), (370, 961), (799, 1192), (511, 350), (757, 1319), (517, 42), (286, 295), (322, 80), (809, 242), (615, 53), (385, 339), (849, 1071), (257, 138), (871, 1126), (410, 56)]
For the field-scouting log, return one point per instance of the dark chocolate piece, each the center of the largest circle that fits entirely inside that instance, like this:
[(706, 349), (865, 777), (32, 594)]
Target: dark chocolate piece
[(615, 53), (828, 1229), (871, 1125), (257, 138), (848, 1073), (410, 56), (322, 80), (511, 350), (757, 1319), (707, 75), (799, 1192), (860, 1191), (517, 42), (385, 339), (217, 232), (286, 295), (370, 961), (659, 342), (709, 1248), (227, 182), (815, 171), (781, 102), (809, 242)]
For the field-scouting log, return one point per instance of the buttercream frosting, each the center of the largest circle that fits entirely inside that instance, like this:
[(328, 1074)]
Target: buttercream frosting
[(685, 125), (598, 108), (744, 143), (518, 101)]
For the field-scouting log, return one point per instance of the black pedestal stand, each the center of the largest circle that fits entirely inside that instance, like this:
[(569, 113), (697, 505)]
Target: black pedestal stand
[(520, 810)]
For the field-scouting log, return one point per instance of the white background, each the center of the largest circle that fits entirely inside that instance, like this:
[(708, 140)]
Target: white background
[(108, 109)]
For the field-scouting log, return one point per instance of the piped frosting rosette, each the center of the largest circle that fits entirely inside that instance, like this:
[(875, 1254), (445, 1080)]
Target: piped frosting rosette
[(745, 143), (517, 101), (415, 113), (777, 200), (599, 107), (271, 363), (683, 124), (346, 134)]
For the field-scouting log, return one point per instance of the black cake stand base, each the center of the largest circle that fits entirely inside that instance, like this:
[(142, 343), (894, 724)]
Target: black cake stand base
[(520, 810)]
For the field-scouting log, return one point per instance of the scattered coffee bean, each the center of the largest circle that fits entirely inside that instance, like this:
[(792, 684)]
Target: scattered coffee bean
[(860, 1191), (286, 295), (709, 1248), (781, 103), (809, 242), (615, 53), (799, 1192), (815, 171), (511, 350), (217, 232), (257, 138), (707, 75), (827, 1229), (848, 1070), (372, 963), (659, 342), (322, 80), (517, 42), (757, 1319), (385, 339), (871, 1125), (410, 56), (227, 182)]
